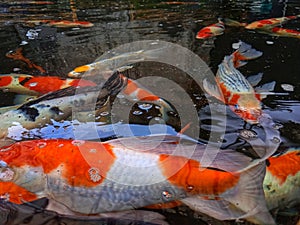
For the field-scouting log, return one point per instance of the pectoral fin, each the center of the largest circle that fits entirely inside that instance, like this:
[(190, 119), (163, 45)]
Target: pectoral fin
[(212, 90), (255, 79)]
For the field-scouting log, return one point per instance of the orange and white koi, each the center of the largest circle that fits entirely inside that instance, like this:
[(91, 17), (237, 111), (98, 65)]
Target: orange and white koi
[(282, 32), (18, 55), (61, 23), (59, 105), (269, 23), (133, 91), (92, 177), (211, 30), (234, 89), (282, 180), (38, 85)]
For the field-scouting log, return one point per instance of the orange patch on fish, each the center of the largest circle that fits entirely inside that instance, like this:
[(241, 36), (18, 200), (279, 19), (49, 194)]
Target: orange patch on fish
[(189, 175), (82, 69), (15, 193), (17, 55), (167, 205), (284, 165), (5, 80), (141, 94), (81, 163)]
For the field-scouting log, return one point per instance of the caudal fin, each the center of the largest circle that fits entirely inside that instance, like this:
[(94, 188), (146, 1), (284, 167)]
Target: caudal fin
[(244, 201), (244, 53)]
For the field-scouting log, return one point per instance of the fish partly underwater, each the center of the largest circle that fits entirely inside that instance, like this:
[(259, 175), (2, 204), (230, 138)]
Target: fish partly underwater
[(234, 89), (211, 30), (88, 178)]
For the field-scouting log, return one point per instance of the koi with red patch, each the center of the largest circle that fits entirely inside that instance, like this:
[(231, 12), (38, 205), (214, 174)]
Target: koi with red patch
[(234, 89), (211, 30), (38, 85), (269, 23), (92, 177), (283, 32), (18, 55), (282, 180), (61, 23)]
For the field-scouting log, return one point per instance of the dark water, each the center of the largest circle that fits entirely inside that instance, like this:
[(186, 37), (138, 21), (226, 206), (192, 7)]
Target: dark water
[(60, 50)]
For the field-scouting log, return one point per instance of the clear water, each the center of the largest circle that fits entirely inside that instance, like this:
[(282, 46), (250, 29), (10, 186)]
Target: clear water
[(60, 50)]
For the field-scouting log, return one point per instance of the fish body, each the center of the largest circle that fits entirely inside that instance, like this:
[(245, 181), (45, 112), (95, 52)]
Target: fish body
[(211, 30), (234, 89), (38, 85), (61, 23), (283, 32), (269, 23), (282, 180), (59, 105), (93, 177)]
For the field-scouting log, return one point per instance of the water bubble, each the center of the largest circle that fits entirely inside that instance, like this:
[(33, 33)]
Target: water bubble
[(248, 134), (41, 144), (190, 187), (277, 126), (93, 150), (33, 84), (60, 145), (287, 87), (104, 113), (145, 106), (276, 140), (94, 174), (77, 142), (137, 112)]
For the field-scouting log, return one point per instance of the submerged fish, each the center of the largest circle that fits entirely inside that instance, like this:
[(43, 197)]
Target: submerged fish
[(282, 32), (60, 23), (269, 23), (59, 105), (38, 85), (234, 89), (91, 177), (18, 55), (282, 180), (211, 30)]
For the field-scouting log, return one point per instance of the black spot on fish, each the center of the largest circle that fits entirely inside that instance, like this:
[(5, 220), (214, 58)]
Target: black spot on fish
[(30, 113), (56, 110), (23, 82), (268, 162), (298, 153)]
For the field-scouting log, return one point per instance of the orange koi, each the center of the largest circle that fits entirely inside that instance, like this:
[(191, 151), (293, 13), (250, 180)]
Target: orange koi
[(269, 23), (235, 90), (17, 55), (211, 30), (283, 32), (61, 23), (92, 177), (282, 180), (38, 85)]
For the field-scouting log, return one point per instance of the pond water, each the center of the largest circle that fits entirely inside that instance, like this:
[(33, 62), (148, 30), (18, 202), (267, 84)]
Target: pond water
[(58, 50)]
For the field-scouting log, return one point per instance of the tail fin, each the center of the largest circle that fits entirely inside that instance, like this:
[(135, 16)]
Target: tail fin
[(244, 201), (243, 53)]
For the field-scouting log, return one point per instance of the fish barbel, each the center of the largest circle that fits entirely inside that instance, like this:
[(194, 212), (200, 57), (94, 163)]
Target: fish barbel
[(234, 89), (93, 177)]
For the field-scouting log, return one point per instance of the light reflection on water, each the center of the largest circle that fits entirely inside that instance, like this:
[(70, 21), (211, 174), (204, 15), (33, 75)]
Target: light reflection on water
[(59, 50)]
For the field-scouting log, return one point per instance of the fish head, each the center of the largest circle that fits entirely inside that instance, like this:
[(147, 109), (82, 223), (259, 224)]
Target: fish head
[(248, 107)]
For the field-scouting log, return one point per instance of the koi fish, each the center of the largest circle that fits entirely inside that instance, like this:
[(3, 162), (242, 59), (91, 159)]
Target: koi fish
[(92, 177), (282, 32), (282, 180), (61, 23), (133, 91), (58, 105), (235, 90), (269, 23), (17, 55), (211, 30), (38, 85)]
